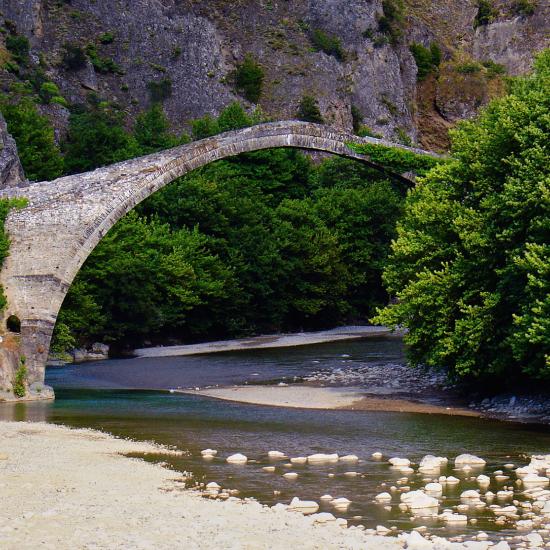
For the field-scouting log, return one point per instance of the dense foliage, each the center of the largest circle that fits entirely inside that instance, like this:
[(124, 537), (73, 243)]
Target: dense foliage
[(470, 268), (427, 59)]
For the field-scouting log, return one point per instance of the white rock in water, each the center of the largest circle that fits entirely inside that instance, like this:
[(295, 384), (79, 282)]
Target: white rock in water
[(417, 500), (319, 458), (213, 488), (430, 463), (434, 489), (470, 494), (382, 530), (341, 503), (290, 475), (483, 479), (209, 452), (505, 494), (298, 460), (502, 545), (351, 474), (349, 458), (449, 517), (469, 460), (452, 480), (237, 458), (304, 506), (533, 480), (383, 497), (323, 517), (526, 470), (276, 454), (400, 462), (377, 455), (269, 469), (326, 497)]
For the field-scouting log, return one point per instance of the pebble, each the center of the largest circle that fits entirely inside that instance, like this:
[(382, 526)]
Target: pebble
[(298, 460), (377, 456), (276, 455), (349, 458), (269, 469), (237, 458), (290, 475)]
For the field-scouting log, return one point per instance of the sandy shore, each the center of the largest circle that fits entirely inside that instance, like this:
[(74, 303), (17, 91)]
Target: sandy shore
[(70, 489), (312, 397), (268, 341)]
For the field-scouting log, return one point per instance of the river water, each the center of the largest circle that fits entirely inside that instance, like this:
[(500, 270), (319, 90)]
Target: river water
[(122, 397)]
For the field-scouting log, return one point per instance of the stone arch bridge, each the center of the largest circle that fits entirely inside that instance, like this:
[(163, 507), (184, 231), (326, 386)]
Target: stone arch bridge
[(65, 219)]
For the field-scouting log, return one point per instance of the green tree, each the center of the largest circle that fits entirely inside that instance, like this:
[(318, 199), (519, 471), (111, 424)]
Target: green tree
[(34, 135), (249, 78), (308, 110), (152, 131), (469, 268), (97, 138)]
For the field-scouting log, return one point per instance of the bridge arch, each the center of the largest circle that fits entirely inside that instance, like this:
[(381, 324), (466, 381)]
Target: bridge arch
[(65, 219)]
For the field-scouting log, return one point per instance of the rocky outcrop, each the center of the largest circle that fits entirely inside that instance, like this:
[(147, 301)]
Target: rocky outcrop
[(11, 171)]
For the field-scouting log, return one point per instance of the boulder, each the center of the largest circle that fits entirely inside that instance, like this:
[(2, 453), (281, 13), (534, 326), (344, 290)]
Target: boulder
[(468, 460), (320, 458), (237, 458), (304, 506)]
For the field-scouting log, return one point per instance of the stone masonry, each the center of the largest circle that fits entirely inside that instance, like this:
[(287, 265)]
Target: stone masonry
[(65, 219)]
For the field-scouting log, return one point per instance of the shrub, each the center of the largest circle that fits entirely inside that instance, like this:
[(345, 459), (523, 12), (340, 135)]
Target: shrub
[(48, 91), (249, 78), (19, 388), (19, 48), (427, 59), (107, 38), (308, 110), (327, 43), (486, 13), (160, 90), (493, 69), (102, 64), (524, 7), (356, 118), (391, 21), (468, 67), (74, 57)]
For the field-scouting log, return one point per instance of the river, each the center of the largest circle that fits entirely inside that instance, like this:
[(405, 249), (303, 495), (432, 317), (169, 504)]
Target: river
[(122, 397)]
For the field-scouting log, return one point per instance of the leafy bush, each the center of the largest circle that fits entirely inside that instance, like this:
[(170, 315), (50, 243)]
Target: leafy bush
[(19, 388), (494, 69), (74, 57), (34, 135), (49, 91), (391, 22), (151, 131), (249, 78), (427, 59), (468, 67), (524, 7), (329, 44), (308, 110), (486, 13), (102, 64), (470, 267), (19, 48), (107, 38), (160, 90)]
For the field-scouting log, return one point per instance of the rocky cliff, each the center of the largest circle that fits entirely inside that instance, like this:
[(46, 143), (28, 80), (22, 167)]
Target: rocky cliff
[(192, 47)]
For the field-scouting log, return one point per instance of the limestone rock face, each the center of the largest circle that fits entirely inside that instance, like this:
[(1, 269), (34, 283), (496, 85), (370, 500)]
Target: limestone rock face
[(195, 46), (11, 171)]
